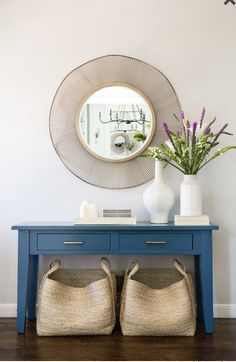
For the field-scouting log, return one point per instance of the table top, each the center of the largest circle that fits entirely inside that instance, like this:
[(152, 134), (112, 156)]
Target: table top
[(142, 225)]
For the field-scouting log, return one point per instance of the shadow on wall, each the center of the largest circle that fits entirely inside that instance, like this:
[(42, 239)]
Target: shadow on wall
[(221, 252), (221, 267)]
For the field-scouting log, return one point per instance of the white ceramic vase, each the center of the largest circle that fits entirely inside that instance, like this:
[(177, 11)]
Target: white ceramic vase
[(190, 196), (158, 198)]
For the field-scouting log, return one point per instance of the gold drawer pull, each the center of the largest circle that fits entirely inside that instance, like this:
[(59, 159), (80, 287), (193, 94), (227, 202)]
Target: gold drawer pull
[(73, 242), (156, 242)]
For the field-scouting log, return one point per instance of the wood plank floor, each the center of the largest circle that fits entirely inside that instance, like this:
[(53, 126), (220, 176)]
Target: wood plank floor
[(219, 346)]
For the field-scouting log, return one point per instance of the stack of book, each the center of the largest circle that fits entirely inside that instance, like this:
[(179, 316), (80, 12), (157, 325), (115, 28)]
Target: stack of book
[(118, 216), (110, 217), (192, 220), (116, 212)]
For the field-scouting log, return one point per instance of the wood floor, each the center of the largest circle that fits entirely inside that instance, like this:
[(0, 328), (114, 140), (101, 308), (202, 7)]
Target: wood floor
[(219, 346)]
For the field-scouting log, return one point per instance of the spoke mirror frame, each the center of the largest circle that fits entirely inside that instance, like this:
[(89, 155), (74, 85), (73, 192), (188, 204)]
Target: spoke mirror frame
[(70, 95)]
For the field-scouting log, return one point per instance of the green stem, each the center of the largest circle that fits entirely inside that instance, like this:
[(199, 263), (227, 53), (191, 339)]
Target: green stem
[(175, 166), (210, 159)]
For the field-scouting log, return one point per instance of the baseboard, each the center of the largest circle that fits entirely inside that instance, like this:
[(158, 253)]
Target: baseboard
[(225, 310), (7, 310), (220, 310)]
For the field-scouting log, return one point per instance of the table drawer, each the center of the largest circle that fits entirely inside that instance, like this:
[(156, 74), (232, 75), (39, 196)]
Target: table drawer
[(156, 242), (73, 242)]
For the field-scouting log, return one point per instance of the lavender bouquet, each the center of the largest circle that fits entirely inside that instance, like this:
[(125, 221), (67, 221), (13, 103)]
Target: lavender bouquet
[(189, 148)]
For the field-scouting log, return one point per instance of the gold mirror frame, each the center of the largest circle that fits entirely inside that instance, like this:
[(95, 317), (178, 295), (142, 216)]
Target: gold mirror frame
[(76, 86), (128, 157)]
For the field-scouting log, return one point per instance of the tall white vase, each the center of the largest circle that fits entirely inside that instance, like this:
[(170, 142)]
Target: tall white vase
[(190, 196), (158, 198)]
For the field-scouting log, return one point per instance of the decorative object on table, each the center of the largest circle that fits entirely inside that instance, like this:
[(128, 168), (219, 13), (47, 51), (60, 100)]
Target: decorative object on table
[(92, 210), (89, 216), (117, 213), (83, 212), (113, 93), (157, 302), (192, 220), (158, 197), (77, 301), (188, 150), (190, 196), (88, 210)]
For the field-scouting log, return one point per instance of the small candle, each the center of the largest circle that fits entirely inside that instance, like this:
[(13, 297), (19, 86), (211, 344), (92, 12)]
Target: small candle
[(93, 210), (84, 209)]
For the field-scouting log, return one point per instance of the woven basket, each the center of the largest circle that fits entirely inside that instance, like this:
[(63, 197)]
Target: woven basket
[(76, 302), (157, 302)]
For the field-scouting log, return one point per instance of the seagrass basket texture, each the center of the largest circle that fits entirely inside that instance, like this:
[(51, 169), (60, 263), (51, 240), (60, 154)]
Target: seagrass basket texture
[(158, 302), (77, 301)]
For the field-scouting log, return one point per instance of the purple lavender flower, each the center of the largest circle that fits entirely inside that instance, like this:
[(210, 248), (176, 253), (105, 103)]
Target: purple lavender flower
[(194, 133), (182, 116), (187, 131), (166, 129), (202, 116), (221, 131), (187, 136), (194, 127), (207, 131), (178, 134)]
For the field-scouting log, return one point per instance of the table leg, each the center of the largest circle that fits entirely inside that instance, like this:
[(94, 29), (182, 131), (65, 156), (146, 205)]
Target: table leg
[(32, 293), (205, 260), (22, 285), (198, 287)]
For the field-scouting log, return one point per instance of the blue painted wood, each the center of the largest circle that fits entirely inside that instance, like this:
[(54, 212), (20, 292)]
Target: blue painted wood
[(197, 246), (115, 242), (32, 288), (22, 280), (61, 242), (206, 280), (112, 252), (100, 243), (198, 287), (146, 242), (140, 225), (45, 239)]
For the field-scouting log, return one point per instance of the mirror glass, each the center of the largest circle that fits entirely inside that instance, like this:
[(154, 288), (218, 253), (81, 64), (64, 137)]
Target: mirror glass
[(115, 123)]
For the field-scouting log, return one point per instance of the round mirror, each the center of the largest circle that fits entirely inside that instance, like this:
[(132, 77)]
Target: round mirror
[(115, 122), (111, 163)]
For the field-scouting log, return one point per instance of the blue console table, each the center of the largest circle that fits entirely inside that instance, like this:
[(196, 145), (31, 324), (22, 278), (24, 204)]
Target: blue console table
[(36, 239)]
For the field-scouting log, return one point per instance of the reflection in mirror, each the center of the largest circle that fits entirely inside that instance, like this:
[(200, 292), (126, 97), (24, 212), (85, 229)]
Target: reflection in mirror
[(115, 123)]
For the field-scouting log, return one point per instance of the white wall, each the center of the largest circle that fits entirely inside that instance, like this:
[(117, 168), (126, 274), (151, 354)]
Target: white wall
[(191, 42)]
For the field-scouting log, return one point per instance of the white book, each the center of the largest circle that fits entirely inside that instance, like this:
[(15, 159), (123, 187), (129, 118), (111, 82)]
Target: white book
[(106, 221), (192, 220), (193, 223), (192, 216)]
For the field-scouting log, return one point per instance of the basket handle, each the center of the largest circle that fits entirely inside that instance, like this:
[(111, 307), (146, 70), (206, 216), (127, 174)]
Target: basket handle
[(106, 265), (132, 268), (180, 267), (53, 266)]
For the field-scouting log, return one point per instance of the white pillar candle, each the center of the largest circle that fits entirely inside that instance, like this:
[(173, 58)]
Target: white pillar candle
[(84, 210), (93, 210)]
